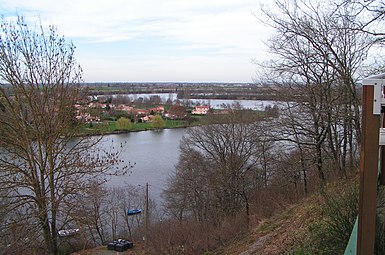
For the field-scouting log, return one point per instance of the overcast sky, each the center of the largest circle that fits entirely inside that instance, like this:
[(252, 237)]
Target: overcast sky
[(156, 40)]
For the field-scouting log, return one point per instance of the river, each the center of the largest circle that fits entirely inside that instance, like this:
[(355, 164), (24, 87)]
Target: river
[(155, 154)]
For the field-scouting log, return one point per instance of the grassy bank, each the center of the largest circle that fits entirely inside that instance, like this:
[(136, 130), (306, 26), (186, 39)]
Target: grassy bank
[(109, 127)]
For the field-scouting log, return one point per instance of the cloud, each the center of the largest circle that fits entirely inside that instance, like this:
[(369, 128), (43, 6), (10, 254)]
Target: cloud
[(121, 19), (207, 29)]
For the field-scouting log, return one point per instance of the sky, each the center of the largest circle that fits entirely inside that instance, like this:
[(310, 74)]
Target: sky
[(156, 40)]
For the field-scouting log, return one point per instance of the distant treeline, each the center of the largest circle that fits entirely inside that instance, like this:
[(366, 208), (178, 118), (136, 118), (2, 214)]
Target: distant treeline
[(248, 91)]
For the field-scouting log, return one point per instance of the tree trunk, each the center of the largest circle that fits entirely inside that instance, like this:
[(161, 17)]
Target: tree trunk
[(319, 164), (43, 218)]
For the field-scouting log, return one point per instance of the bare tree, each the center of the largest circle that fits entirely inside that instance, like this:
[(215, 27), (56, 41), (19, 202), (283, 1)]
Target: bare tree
[(91, 213), (371, 15), (102, 212), (43, 163), (132, 198), (218, 165), (319, 48), (189, 190), (177, 111)]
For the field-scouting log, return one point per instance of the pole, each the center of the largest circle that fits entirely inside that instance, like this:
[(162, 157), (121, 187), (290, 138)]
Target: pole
[(368, 174), (146, 216)]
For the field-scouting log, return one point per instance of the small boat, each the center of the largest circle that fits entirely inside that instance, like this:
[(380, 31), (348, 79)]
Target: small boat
[(133, 212)]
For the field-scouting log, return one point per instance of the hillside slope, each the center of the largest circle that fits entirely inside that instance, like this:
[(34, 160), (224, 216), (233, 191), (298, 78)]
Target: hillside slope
[(299, 224), (277, 235)]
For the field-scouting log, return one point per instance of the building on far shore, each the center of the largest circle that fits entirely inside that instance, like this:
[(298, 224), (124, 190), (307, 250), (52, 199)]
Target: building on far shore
[(203, 110)]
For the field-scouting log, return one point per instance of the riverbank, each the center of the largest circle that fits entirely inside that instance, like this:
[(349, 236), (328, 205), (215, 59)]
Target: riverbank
[(110, 127)]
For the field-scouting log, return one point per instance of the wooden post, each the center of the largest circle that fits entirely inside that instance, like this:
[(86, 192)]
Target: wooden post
[(368, 174)]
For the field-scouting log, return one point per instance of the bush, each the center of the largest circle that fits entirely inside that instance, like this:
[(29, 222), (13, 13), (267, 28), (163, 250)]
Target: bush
[(157, 122), (123, 123)]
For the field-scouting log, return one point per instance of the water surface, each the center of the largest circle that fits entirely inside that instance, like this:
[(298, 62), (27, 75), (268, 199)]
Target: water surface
[(155, 154)]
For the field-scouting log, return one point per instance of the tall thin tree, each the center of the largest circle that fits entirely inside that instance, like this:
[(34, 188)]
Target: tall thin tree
[(43, 164)]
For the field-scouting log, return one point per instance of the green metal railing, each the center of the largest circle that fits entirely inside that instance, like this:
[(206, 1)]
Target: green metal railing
[(351, 248)]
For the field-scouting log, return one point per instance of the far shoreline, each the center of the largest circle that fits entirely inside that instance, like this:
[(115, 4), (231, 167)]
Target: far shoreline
[(117, 132)]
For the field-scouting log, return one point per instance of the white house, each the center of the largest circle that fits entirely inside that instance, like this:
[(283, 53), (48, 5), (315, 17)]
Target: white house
[(201, 110)]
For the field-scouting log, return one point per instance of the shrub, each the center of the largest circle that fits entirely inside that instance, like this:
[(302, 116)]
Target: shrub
[(192, 237), (157, 122), (123, 123)]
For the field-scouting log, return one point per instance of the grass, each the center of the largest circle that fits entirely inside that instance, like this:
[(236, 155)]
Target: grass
[(330, 234), (109, 126)]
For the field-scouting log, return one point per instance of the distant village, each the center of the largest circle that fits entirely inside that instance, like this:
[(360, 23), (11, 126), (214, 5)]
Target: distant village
[(139, 110)]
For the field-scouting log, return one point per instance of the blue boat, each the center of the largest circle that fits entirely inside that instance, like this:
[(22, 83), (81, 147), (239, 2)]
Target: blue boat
[(133, 212)]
